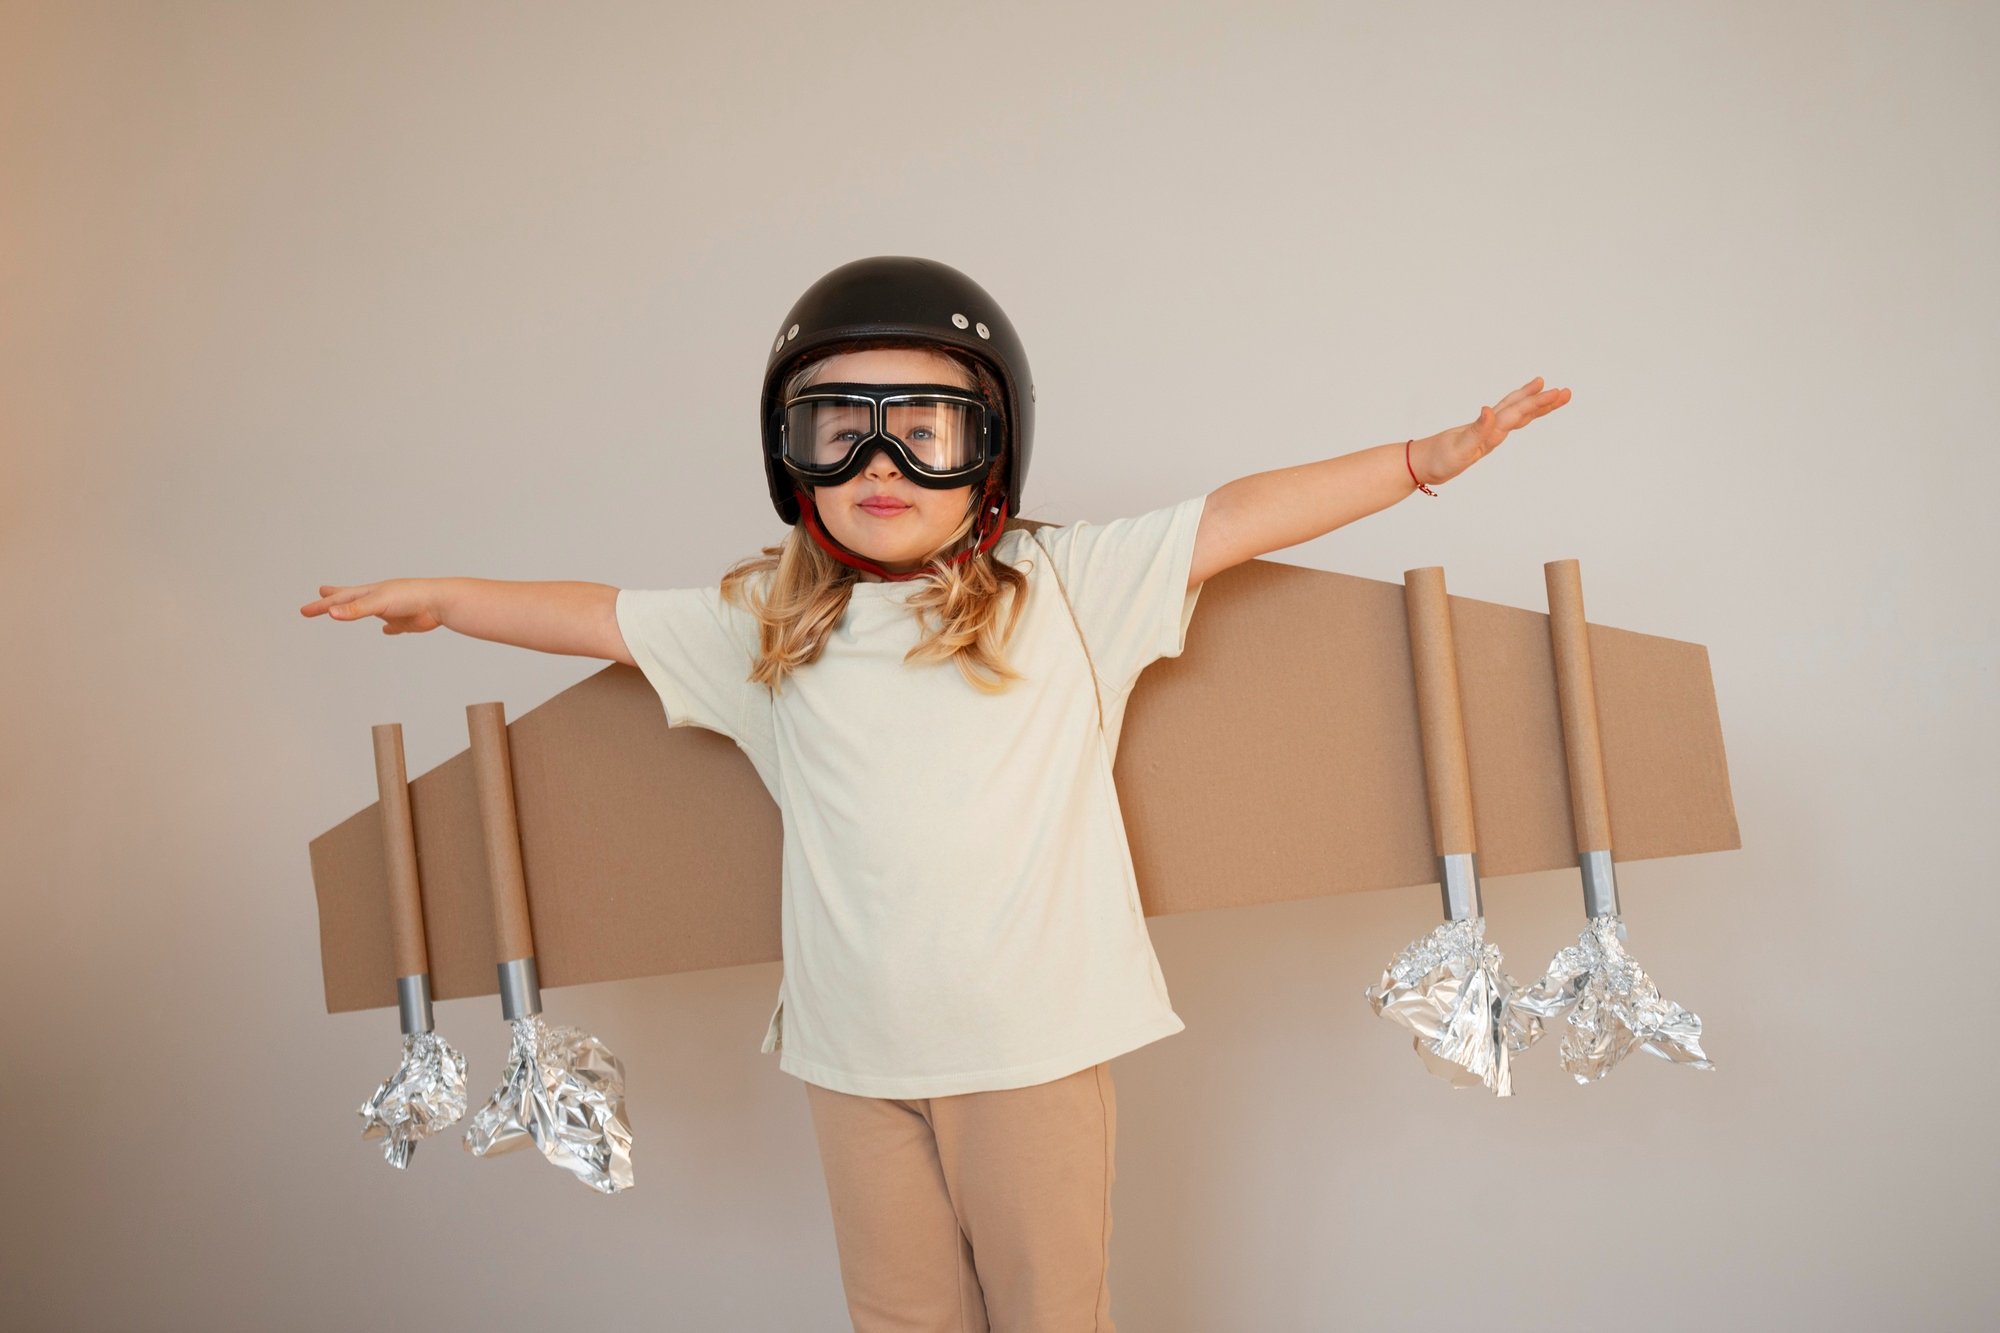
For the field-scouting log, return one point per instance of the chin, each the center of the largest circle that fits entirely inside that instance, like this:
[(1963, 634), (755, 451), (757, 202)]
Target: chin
[(890, 557)]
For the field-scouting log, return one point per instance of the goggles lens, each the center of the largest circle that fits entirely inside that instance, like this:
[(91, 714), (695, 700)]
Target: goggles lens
[(936, 434)]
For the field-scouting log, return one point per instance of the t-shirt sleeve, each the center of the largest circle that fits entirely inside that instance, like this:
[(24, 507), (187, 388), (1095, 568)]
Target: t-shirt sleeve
[(696, 651), (1127, 581)]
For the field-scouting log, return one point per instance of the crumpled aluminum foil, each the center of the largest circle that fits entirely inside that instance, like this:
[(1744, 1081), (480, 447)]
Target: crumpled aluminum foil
[(564, 1092), (426, 1094), (1612, 1007), (1448, 989)]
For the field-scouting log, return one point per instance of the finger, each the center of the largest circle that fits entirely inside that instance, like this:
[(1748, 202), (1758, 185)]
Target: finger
[(328, 599), (352, 603), (1542, 404), (1524, 391)]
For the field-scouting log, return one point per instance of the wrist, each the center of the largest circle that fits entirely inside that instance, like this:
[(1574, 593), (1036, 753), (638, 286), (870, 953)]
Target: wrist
[(1409, 461), (1424, 461), (438, 598)]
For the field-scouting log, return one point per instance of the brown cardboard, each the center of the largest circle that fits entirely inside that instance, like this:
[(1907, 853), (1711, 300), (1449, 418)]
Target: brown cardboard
[(499, 825), (1277, 758), (1440, 713), (399, 854), (1576, 693)]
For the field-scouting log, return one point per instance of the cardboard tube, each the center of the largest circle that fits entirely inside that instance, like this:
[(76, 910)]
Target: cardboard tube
[(493, 777), (1576, 691), (1440, 715), (1583, 746), (399, 851)]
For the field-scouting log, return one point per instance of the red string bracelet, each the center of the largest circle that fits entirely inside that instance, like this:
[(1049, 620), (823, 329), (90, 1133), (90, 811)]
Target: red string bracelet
[(1413, 472)]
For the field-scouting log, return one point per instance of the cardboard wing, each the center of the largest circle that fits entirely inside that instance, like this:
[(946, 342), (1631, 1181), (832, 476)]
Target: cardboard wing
[(1278, 757)]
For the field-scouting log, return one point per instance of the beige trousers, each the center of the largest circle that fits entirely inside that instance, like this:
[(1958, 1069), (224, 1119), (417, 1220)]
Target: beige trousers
[(988, 1212)]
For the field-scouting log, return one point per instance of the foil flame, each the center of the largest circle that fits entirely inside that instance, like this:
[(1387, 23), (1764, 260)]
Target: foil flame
[(426, 1094), (564, 1092), (1612, 1007), (1448, 989)]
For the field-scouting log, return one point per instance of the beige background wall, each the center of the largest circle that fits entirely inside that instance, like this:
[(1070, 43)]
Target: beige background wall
[(296, 293)]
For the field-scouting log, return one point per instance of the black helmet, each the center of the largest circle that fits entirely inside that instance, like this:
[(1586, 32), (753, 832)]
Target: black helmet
[(889, 298)]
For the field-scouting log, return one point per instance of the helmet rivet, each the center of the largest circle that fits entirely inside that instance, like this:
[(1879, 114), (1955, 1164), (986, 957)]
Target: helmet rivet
[(960, 320), (792, 332), (778, 345), (982, 331)]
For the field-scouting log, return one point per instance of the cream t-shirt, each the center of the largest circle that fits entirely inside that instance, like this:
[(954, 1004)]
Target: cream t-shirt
[(959, 908)]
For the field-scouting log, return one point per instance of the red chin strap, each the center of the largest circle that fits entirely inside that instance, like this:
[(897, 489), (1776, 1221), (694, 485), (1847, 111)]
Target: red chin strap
[(991, 524)]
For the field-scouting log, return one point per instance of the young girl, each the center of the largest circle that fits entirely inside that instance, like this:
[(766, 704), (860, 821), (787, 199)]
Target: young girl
[(934, 697)]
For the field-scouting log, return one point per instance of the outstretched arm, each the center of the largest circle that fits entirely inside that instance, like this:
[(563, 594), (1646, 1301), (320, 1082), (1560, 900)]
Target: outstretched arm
[(1269, 511), (580, 619)]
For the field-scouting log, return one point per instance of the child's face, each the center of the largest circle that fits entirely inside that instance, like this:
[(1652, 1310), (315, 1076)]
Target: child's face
[(880, 513)]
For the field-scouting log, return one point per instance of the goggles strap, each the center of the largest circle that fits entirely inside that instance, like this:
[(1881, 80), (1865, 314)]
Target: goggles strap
[(991, 524)]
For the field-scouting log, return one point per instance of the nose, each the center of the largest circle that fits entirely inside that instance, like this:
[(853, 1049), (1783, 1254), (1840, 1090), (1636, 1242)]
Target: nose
[(881, 467)]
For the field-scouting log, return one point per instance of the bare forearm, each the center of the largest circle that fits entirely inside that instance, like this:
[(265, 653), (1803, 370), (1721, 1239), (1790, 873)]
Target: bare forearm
[(1269, 511), (579, 619)]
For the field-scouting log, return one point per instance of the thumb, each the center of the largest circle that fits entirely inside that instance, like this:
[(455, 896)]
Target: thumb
[(1490, 433)]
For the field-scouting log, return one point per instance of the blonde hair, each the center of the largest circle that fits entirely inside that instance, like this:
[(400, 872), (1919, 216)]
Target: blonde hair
[(798, 592)]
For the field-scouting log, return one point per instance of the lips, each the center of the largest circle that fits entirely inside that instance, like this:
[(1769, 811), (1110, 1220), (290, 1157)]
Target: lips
[(882, 506)]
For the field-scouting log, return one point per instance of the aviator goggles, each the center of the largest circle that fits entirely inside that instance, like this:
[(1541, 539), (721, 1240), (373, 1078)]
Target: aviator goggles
[(937, 435)]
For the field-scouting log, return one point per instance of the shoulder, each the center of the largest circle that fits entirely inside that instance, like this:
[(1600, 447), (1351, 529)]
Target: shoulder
[(688, 613), (1138, 532), (1023, 542)]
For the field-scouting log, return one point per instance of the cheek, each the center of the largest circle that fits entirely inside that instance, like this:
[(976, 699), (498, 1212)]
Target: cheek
[(837, 497), (942, 510)]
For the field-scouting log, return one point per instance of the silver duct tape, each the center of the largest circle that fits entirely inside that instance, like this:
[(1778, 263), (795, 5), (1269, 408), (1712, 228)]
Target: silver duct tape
[(425, 1095), (563, 1092), (1458, 881), (520, 989), (1610, 1007), (413, 1002), (1600, 885), (1448, 989)]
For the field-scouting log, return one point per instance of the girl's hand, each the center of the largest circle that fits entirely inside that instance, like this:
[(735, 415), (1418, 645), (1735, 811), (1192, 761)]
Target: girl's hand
[(1269, 511), (577, 619), (406, 606), (1448, 453)]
